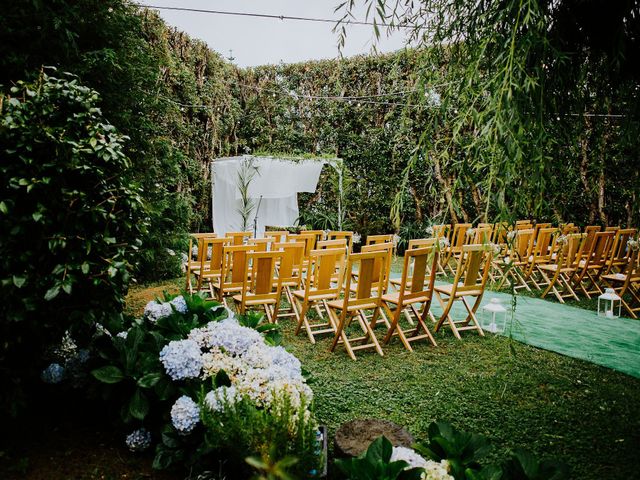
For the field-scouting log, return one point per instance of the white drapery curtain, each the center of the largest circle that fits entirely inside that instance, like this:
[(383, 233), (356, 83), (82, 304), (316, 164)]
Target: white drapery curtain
[(277, 181)]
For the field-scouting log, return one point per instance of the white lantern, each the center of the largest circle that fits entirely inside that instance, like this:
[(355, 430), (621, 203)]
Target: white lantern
[(607, 303), (498, 316)]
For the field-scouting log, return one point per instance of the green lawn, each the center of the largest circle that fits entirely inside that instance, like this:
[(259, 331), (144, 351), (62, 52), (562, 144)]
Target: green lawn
[(517, 395)]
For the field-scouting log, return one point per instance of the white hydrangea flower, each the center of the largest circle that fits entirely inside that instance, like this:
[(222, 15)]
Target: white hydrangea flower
[(429, 231), (181, 359), (408, 455), (436, 471), (215, 360), (227, 335), (185, 414), (123, 334), (511, 235), (154, 311), (217, 399)]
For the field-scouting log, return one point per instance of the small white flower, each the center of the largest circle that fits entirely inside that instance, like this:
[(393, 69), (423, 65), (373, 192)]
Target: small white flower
[(443, 242), (357, 238), (429, 231), (562, 240), (633, 244), (171, 252), (123, 334), (396, 239), (470, 232), (511, 235)]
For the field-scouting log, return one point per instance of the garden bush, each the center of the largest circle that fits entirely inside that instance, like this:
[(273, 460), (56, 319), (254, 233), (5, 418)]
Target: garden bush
[(71, 222)]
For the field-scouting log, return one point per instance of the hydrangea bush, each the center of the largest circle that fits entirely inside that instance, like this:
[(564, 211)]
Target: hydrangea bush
[(204, 385)]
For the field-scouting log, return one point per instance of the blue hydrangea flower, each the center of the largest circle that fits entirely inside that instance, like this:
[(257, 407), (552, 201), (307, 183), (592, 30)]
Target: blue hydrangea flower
[(185, 414), (181, 359), (154, 311), (138, 440), (54, 373), (179, 304)]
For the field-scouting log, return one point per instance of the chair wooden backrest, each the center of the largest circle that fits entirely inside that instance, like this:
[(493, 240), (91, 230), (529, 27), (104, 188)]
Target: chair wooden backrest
[(522, 245), (370, 280), (277, 235), (290, 268), (611, 229), (213, 263), (324, 266), (590, 231), (308, 239), (483, 234), (339, 243), (619, 252), (570, 254), (500, 232), (631, 271), (472, 270), (259, 278), (239, 238), (385, 238), (233, 266), (541, 251), (198, 238), (419, 271), (260, 244), (538, 227), (600, 248), (386, 270), (442, 230), (459, 235), (318, 233), (336, 235), (523, 225), (421, 243)]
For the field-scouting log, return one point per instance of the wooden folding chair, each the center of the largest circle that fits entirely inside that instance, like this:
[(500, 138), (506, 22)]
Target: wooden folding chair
[(193, 264), (541, 254), (470, 279), (210, 267), (231, 279), (414, 244), (458, 240), (483, 234), (416, 287), (319, 288), (336, 235), (318, 233), (567, 263), (515, 262), (627, 284), (239, 238), (523, 224), (538, 227), (373, 239), (290, 272), (261, 286), (591, 267), (619, 253), (441, 231), (368, 296), (590, 233)]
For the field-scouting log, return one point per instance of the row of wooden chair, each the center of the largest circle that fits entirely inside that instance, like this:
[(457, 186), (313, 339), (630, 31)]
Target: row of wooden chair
[(561, 261), (339, 286)]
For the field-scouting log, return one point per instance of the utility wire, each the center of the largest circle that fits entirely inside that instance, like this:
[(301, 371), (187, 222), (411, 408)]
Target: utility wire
[(274, 17)]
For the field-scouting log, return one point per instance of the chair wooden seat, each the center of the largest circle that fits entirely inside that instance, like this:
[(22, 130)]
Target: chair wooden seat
[(394, 298), (559, 276), (449, 290), (249, 301)]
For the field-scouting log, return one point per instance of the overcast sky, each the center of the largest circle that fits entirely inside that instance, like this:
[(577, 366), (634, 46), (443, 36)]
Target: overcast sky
[(260, 41)]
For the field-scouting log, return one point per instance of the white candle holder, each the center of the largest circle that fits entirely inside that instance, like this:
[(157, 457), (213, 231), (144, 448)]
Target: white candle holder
[(498, 316), (607, 303)]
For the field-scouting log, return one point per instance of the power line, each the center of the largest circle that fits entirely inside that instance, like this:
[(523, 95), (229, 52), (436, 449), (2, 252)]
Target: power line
[(274, 17)]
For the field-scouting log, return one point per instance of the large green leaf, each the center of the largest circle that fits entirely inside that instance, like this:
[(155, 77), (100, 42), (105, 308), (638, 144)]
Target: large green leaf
[(139, 405), (108, 374)]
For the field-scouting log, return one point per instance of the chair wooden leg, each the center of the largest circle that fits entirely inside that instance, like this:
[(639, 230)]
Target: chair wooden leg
[(445, 316), (471, 318)]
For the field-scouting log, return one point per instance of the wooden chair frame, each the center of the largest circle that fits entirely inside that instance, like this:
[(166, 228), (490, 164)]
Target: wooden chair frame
[(239, 238), (210, 268), (355, 305), (192, 264), (261, 286), (567, 263), (231, 280), (458, 240), (420, 266), (322, 284), (336, 235), (627, 284), (587, 277), (473, 263)]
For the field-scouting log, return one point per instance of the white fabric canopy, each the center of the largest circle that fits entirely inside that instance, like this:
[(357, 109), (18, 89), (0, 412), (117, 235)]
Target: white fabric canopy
[(277, 181)]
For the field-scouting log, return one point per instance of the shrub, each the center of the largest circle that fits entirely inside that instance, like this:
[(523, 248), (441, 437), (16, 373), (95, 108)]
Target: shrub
[(70, 223)]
